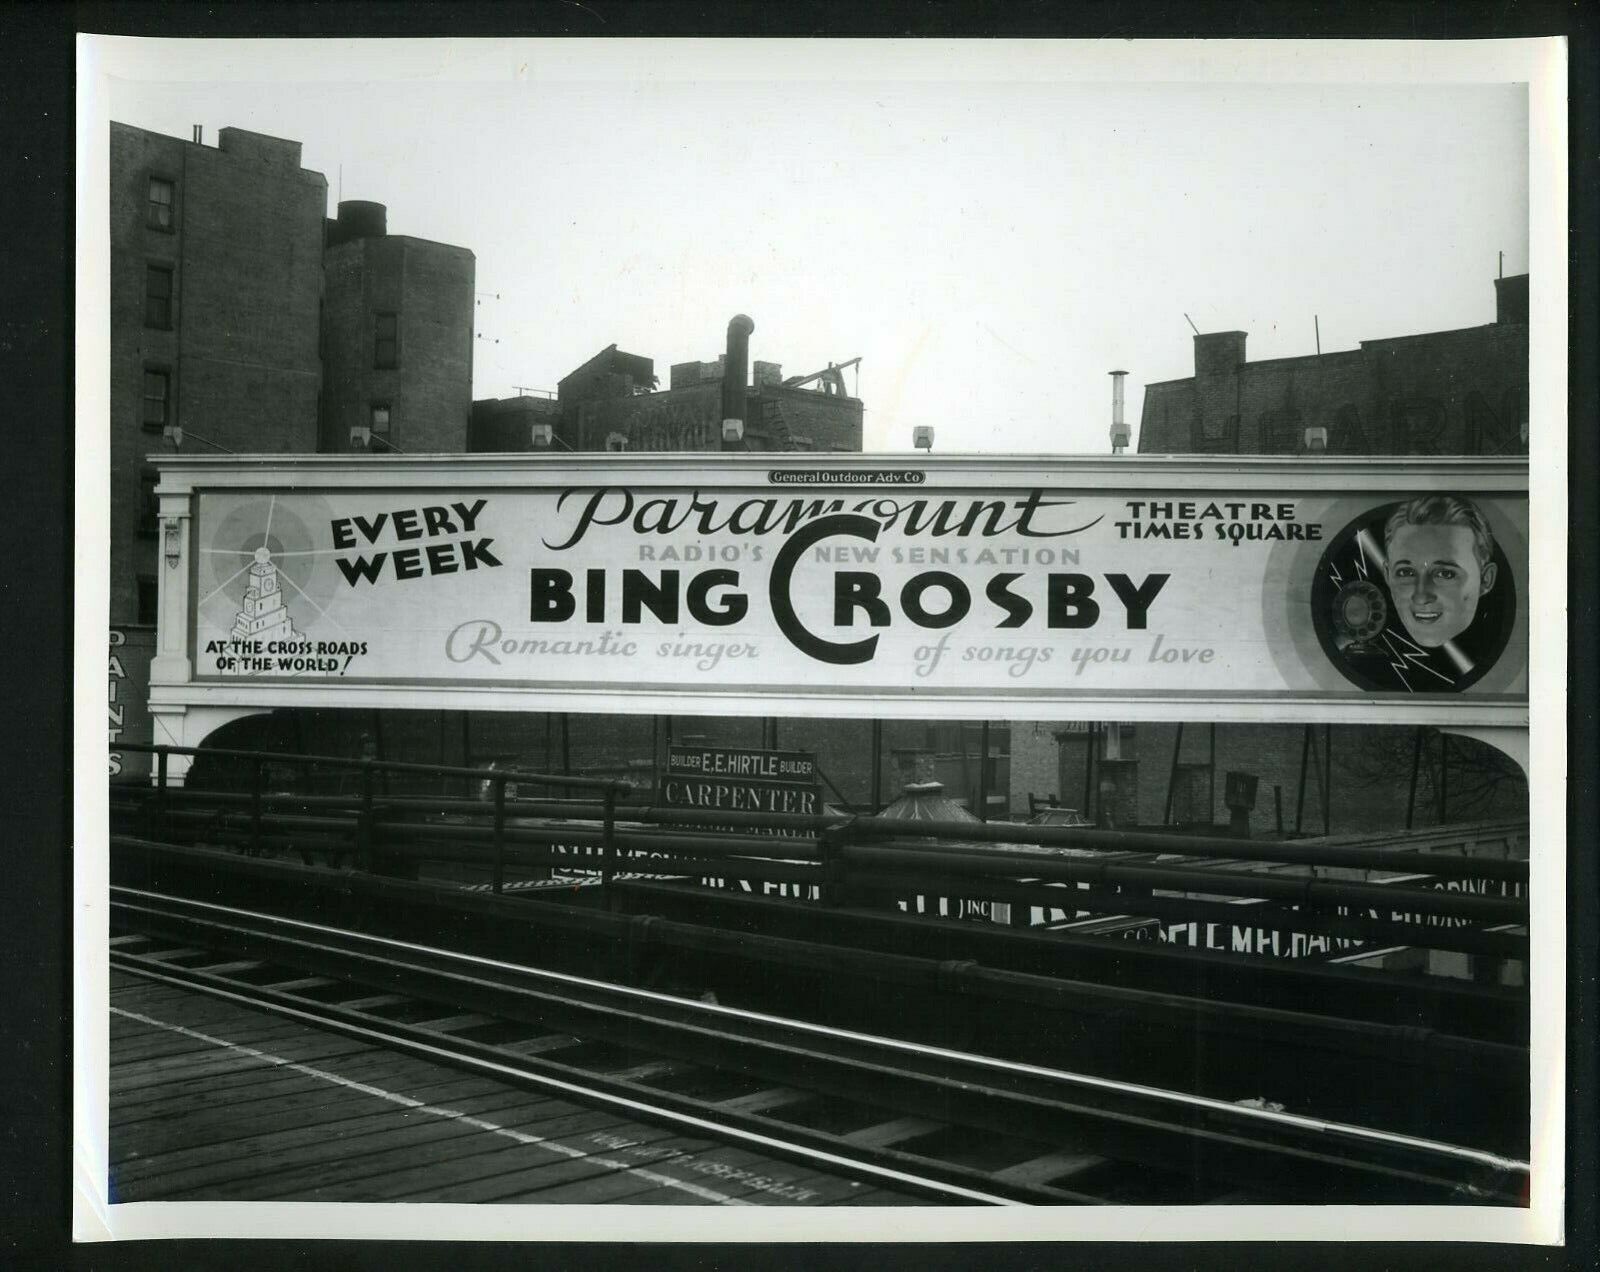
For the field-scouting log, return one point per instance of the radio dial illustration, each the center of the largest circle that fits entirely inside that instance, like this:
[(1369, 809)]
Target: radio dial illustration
[(1360, 612)]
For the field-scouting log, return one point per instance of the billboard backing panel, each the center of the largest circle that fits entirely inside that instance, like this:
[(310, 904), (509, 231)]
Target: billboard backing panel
[(1046, 582)]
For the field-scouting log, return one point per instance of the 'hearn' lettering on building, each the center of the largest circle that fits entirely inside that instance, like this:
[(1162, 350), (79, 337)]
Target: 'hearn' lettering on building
[(932, 599), (429, 522)]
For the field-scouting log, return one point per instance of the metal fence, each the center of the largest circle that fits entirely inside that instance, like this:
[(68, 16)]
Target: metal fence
[(390, 817)]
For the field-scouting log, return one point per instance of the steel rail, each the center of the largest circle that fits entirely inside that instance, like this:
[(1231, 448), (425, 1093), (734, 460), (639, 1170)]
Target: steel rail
[(1241, 913), (1309, 891), (1301, 890), (536, 1074), (1207, 1110), (865, 942), (1192, 846), (1022, 990)]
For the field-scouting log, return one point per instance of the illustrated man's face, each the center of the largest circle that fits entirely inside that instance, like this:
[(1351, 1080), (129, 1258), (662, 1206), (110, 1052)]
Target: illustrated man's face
[(1435, 581)]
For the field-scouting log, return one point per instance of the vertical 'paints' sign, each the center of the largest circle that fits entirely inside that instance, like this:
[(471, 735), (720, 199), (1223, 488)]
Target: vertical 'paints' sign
[(127, 699)]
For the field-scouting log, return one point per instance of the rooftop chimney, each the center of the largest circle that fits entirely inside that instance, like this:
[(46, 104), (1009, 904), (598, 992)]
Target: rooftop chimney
[(358, 219), (1511, 299), (1119, 428), (735, 373), (1219, 353)]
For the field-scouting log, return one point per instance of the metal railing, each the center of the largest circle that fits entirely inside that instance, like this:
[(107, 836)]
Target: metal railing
[(368, 822), (593, 829)]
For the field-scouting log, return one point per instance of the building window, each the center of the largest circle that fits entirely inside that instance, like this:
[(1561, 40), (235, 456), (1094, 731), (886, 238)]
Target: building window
[(158, 296), (148, 593), (155, 413), (159, 208), (386, 342), (149, 504), (1216, 434), (1282, 432)]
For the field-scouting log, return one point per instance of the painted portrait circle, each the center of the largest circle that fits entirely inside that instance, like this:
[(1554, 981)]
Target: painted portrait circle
[(1414, 596)]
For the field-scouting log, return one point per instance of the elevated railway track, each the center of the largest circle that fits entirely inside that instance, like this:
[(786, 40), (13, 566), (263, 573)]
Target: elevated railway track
[(960, 1126), (802, 1002)]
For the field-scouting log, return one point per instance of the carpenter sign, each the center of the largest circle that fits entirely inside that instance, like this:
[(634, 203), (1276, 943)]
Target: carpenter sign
[(1373, 588), (711, 761), (719, 779)]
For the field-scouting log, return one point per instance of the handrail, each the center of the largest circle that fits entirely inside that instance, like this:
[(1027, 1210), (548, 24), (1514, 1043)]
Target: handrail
[(1004, 833), (848, 859), (357, 763), (1290, 853)]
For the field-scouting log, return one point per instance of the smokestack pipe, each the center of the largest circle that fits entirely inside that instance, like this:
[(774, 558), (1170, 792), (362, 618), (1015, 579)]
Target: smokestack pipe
[(735, 375), (1120, 434)]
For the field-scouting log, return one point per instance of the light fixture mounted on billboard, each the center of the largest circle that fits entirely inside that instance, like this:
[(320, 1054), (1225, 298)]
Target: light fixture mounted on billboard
[(922, 437)]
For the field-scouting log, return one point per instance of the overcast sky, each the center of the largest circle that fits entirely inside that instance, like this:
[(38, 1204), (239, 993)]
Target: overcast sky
[(990, 245)]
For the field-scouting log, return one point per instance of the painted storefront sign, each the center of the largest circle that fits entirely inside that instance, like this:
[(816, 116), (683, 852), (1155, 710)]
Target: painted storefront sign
[(721, 779), (127, 695)]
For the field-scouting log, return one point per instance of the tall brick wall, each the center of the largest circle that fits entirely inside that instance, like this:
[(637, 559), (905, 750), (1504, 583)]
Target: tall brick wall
[(1441, 393), (245, 249), (685, 419), (501, 425), (828, 422), (1034, 766), (689, 417), (1371, 774), (429, 286)]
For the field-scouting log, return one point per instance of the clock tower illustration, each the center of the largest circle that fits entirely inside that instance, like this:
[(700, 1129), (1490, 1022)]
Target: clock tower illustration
[(264, 613)]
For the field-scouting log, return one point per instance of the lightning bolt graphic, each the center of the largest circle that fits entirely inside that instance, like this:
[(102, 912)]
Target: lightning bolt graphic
[(1412, 656), (1368, 549)]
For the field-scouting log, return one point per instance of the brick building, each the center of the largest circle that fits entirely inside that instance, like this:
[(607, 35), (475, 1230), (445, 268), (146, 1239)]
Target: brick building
[(1462, 392), (242, 316), (216, 283), (614, 402), (397, 336)]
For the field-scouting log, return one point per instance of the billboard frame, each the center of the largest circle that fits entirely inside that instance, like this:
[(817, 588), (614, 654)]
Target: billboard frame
[(186, 707)]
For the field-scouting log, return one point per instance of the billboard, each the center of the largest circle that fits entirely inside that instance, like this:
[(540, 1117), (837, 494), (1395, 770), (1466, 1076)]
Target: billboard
[(1375, 589)]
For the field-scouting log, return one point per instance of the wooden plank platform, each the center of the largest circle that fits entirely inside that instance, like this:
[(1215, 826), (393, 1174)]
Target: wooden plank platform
[(211, 1100)]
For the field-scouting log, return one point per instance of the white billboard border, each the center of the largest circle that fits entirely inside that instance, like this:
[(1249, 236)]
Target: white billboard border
[(1541, 63), (214, 701)]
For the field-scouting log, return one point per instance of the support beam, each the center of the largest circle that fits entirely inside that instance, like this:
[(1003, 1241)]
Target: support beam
[(1172, 775)]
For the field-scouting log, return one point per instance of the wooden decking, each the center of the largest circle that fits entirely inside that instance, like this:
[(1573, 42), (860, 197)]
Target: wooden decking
[(210, 1100)]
